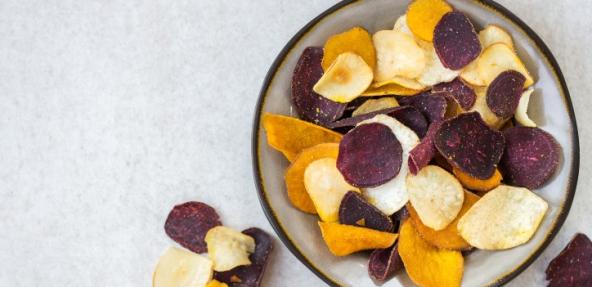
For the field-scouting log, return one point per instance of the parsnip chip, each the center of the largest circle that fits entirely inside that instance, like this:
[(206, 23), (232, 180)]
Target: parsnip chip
[(347, 239), (356, 40), (326, 187), (392, 195), (295, 174), (471, 74), (503, 218), (521, 112), (495, 34), (481, 107), (397, 54), (473, 183), (183, 268), (426, 265), (390, 89), (401, 25), (436, 195), (373, 105), (447, 238), (424, 15), (290, 135), (434, 72), (498, 58), (228, 248), (347, 78)]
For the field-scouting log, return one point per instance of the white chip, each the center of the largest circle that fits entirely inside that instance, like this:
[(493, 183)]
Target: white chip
[(498, 58), (470, 74), (503, 218), (182, 268), (521, 112), (401, 25), (493, 34), (347, 78), (436, 195), (397, 54), (391, 196), (326, 187), (401, 81), (434, 71), (483, 109), (373, 105), (228, 248)]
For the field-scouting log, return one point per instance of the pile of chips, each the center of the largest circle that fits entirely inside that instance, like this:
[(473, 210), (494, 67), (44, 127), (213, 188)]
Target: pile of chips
[(415, 143), (234, 258)]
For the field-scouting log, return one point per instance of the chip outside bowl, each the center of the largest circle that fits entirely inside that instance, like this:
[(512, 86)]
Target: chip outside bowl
[(551, 109)]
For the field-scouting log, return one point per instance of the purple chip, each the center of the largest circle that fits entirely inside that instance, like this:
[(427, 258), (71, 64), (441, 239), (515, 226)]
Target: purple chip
[(309, 105), (530, 158), (369, 155), (573, 266), (355, 210), (188, 224), (459, 92), (407, 115), (384, 263), (431, 105), (250, 275), (456, 41), (470, 145), (503, 94), (421, 155)]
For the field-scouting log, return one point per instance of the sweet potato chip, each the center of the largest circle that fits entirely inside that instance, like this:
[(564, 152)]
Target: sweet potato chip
[(295, 174), (290, 135), (188, 224), (498, 58), (458, 91), (347, 239), (384, 263), (421, 155), (503, 94), (503, 218), (216, 283), (521, 115), (426, 265), (447, 238), (431, 105), (456, 41), (423, 15), (482, 185), (347, 78), (573, 266), (373, 105), (356, 40), (355, 210), (390, 89), (397, 54)]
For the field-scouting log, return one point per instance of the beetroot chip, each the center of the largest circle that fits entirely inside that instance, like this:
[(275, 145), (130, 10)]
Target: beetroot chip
[(369, 155), (309, 105), (530, 158), (384, 263), (470, 145), (456, 41), (355, 210), (459, 92), (432, 106), (421, 155), (503, 94), (188, 223), (250, 275), (398, 217), (573, 266), (407, 115)]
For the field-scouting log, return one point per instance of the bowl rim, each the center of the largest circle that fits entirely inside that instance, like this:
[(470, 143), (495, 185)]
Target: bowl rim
[(494, 7)]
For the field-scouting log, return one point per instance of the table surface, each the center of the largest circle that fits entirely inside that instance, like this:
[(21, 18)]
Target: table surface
[(114, 111)]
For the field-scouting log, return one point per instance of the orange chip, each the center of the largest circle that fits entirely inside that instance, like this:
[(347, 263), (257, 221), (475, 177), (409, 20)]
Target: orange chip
[(355, 40), (290, 135), (424, 15), (426, 265), (346, 239), (295, 174), (216, 283), (389, 89), (481, 185), (448, 237)]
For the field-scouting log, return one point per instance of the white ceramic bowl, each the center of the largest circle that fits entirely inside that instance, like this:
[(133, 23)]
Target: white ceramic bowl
[(550, 107)]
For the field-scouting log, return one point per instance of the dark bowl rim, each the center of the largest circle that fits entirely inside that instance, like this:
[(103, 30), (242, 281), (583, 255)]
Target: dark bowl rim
[(573, 176)]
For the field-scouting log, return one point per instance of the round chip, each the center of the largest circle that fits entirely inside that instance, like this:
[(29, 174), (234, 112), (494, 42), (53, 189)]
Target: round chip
[(356, 40), (436, 195), (397, 54), (522, 110), (369, 155), (531, 156), (456, 41), (470, 145), (498, 58), (309, 105), (188, 224), (503, 94), (423, 15), (347, 78), (503, 218)]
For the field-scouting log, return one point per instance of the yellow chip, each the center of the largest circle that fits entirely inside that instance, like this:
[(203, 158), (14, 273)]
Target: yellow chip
[(493, 34), (347, 78), (436, 195), (290, 135), (216, 283), (295, 174), (347, 239), (183, 268), (521, 112), (480, 106), (326, 187), (401, 81), (503, 218), (498, 58), (355, 40), (470, 74), (373, 105), (447, 238), (397, 54), (476, 184), (390, 89), (424, 15), (426, 265)]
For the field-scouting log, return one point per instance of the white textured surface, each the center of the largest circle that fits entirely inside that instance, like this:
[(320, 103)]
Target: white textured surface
[(111, 112)]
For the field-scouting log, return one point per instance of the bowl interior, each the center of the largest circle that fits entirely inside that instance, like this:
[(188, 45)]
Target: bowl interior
[(549, 108)]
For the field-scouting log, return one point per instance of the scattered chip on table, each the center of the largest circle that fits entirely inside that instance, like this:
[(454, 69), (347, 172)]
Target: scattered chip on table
[(188, 224), (573, 266)]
